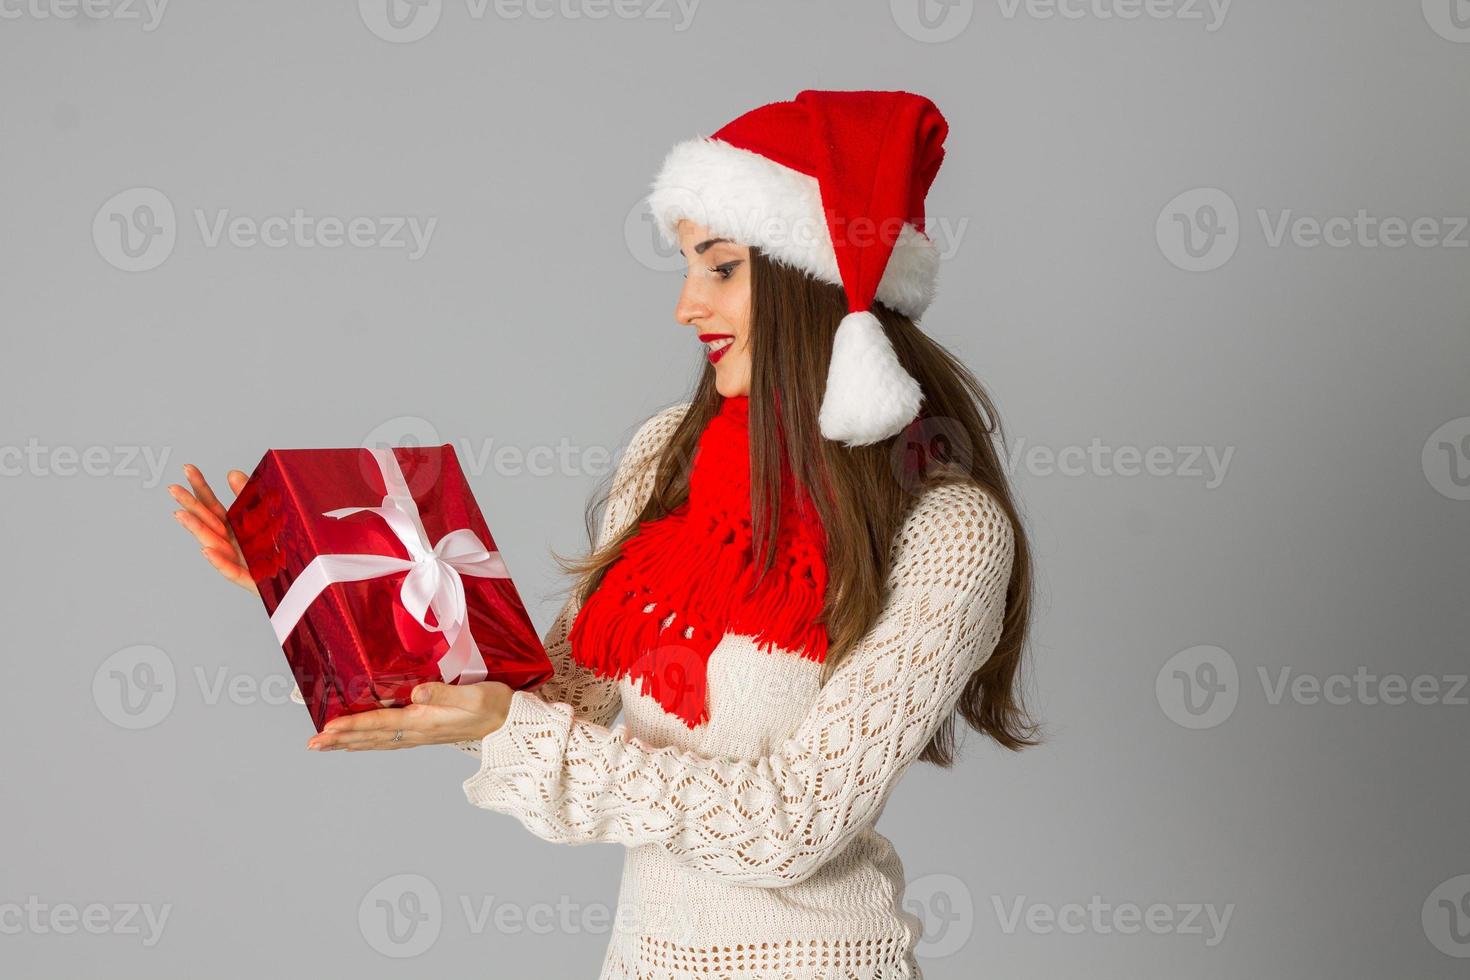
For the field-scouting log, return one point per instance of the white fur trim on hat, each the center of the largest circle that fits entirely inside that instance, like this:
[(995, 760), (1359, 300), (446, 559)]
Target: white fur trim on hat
[(869, 395), (756, 201)]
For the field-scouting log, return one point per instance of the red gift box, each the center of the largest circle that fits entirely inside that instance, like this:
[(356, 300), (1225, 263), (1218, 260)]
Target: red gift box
[(379, 574)]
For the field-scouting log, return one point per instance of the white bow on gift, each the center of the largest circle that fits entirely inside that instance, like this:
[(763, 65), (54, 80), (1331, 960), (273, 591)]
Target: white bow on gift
[(433, 580)]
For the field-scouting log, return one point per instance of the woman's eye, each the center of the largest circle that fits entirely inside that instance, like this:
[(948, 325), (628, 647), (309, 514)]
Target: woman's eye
[(725, 270)]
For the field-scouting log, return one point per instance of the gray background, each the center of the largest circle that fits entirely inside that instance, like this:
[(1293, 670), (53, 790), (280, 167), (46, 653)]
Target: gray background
[(1336, 541)]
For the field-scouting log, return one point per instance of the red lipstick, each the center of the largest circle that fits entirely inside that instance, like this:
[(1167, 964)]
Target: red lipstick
[(715, 355)]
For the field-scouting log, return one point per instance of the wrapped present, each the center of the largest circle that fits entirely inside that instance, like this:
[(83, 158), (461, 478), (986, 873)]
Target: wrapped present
[(379, 573)]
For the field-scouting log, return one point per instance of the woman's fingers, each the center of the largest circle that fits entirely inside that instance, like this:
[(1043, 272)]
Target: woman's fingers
[(218, 551), (205, 517), (205, 533), (422, 724), (375, 720), (203, 514), (202, 490), (367, 729), (229, 566), (439, 713), (359, 741)]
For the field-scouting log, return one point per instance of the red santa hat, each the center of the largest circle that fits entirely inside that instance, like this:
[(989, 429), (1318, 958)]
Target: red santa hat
[(832, 183)]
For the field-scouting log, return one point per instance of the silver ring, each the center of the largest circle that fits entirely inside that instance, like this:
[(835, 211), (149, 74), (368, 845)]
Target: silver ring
[(397, 736)]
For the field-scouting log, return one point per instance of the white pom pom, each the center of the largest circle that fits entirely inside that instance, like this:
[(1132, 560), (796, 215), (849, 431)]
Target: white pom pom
[(869, 395)]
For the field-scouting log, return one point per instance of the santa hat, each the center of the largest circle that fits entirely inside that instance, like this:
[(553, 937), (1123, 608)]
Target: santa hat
[(832, 183)]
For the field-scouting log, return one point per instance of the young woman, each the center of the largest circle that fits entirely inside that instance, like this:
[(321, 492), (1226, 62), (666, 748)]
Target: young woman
[(788, 604)]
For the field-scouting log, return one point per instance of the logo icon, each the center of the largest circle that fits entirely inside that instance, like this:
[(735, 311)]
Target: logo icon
[(1199, 230), (641, 234), (1198, 687), (135, 229), (928, 448), (932, 21), (400, 21), (1450, 19), (135, 688), (646, 245), (1446, 917), (1446, 459), (412, 434), (401, 916), (946, 912)]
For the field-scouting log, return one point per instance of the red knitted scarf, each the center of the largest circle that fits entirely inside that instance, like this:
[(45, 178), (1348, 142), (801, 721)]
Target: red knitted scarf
[(686, 579)]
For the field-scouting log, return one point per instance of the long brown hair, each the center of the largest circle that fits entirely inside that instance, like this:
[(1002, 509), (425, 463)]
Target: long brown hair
[(869, 490)]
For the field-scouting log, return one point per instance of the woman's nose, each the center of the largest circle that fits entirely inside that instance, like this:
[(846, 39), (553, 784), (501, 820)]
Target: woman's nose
[(690, 307)]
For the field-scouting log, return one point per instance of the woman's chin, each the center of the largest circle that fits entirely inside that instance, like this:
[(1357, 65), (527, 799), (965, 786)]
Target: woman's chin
[(729, 388)]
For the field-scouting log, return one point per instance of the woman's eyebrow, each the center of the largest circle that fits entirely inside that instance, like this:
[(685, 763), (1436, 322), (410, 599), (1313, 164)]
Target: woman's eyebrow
[(703, 246)]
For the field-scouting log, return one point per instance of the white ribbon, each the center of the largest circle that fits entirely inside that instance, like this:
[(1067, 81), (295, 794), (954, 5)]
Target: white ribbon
[(433, 580)]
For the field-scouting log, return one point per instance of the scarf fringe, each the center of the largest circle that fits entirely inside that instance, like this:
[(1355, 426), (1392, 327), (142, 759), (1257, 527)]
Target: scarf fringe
[(695, 565)]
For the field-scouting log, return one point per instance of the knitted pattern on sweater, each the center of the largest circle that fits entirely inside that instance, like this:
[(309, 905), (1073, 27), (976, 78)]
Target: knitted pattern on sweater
[(754, 833)]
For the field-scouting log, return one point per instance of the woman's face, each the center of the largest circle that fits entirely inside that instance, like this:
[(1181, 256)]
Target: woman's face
[(715, 301)]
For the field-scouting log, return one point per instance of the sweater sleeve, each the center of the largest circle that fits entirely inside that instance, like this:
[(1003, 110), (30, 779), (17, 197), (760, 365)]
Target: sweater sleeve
[(773, 821)]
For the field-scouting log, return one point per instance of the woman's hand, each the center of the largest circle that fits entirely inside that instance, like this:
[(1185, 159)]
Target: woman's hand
[(440, 713), (204, 517)]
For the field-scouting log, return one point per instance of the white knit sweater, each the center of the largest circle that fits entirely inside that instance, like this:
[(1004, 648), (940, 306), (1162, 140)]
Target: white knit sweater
[(750, 843)]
